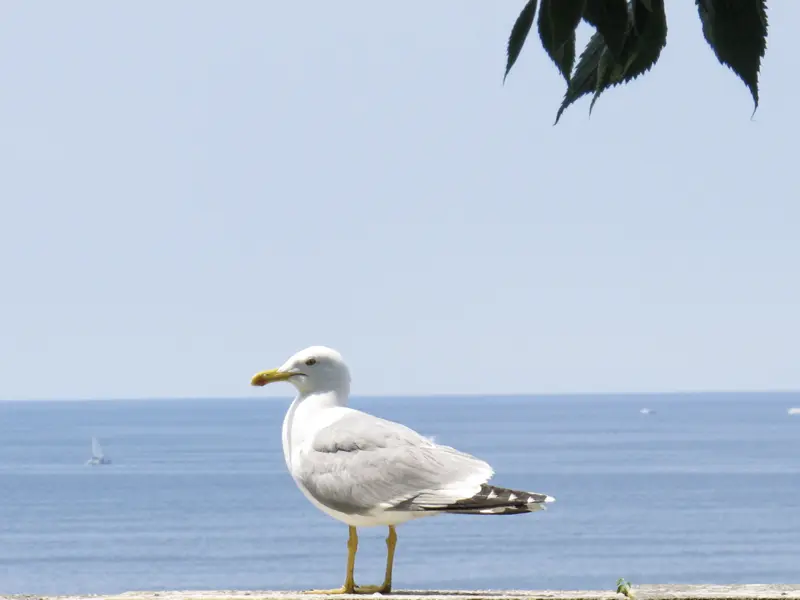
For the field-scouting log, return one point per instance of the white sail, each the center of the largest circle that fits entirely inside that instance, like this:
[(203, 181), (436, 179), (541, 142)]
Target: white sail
[(97, 451)]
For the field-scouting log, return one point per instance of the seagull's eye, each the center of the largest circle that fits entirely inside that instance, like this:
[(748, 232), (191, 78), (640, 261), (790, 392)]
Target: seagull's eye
[(311, 362)]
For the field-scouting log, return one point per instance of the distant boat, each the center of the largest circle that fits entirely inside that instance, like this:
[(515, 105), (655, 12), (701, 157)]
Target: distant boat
[(647, 411), (98, 458), (794, 411)]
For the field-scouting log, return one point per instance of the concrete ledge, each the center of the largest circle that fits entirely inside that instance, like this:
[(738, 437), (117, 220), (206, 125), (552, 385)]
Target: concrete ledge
[(643, 592)]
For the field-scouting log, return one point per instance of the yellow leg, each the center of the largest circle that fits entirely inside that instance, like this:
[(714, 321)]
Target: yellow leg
[(349, 586), (391, 542)]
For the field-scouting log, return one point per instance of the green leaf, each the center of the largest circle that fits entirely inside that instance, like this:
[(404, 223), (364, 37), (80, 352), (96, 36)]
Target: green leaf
[(608, 70), (584, 80), (599, 69), (610, 19), (736, 30), (518, 34), (646, 38), (558, 20)]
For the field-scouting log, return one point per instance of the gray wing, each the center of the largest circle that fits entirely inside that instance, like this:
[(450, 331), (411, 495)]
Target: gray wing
[(362, 463)]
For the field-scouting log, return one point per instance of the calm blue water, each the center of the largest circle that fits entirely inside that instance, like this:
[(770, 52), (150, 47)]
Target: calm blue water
[(706, 490)]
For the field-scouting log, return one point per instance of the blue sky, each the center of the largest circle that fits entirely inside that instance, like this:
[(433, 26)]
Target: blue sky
[(192, 191)]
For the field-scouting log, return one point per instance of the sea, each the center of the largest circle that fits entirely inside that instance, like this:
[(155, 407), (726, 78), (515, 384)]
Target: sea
[(703, 489)]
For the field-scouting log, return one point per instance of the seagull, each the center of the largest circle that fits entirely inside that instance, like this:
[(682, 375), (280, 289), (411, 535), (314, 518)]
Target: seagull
[(366, 471)]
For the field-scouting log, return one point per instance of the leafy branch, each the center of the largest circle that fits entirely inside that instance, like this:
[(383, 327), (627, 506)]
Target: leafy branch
[(629, 37)]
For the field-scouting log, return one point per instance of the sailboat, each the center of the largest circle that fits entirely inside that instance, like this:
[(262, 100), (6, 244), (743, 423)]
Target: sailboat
[(98, 458)]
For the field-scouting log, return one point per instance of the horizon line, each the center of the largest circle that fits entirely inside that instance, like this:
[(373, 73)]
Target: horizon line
[(709, 392)]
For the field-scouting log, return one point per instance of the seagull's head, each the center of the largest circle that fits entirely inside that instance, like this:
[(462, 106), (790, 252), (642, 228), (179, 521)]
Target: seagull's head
[(313, 370)]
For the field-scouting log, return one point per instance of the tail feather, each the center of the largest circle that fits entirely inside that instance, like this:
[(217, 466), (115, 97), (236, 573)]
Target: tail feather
[(493, 500)]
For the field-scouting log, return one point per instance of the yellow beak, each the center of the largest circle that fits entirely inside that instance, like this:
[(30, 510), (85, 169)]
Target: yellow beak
[(271, 376)]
